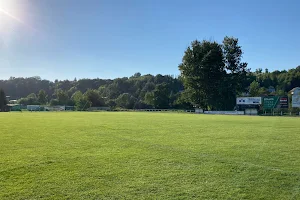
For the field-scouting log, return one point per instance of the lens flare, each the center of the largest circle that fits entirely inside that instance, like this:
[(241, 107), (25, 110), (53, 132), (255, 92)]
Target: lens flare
[(13, 11), (11, 16)]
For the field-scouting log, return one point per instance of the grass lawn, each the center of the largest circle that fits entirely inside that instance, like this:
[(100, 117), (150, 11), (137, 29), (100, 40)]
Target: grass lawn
[(81, 155)]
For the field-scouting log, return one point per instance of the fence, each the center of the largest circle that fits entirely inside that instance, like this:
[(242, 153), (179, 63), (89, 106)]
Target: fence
[(225, 112)]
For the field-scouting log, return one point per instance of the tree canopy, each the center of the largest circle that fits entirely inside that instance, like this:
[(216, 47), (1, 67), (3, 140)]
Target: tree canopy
[(3, 100), (213, 73), (211, 76)]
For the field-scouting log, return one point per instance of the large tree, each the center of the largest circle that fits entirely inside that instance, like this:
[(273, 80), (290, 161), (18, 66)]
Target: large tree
[(202, 71), (3, 100), (234, 82)]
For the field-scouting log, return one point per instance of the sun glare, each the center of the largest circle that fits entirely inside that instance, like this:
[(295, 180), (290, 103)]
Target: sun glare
[(13, 11), (10, 15), (10, 9)]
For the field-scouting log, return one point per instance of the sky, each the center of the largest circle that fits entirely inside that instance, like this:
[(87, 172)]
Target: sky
[(64, 39)]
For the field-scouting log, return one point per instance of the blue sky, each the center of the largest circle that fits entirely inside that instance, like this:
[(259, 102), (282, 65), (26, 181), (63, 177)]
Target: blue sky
[(63, 39)]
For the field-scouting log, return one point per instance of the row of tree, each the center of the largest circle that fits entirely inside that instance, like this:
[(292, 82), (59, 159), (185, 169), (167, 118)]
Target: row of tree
[(211, 76), (136, 92)]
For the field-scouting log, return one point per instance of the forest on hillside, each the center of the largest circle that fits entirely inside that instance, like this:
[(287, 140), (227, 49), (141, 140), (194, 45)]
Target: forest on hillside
[(211, 76), (137, 91)]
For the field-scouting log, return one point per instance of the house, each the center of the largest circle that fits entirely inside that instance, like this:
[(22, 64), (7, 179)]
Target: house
[(295, 91), (295, 97), (271, 89), (13, 101)]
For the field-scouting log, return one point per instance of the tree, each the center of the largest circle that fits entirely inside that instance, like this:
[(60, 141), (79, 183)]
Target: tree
[(31, 99), (202, 71), (76, 96), (263, 91), (62, 97), (111, 103), (161, 96), (280, 93), (137, 75), (235, 80), (254, 89), (81, 101), (23, 101), (71, 91), (42, 97), (3, 100), (258, 71), (182, 101), (149, 99), (202, 81), (266, 70), (125, 100), (54, 102), (94, 97), (83, 104)]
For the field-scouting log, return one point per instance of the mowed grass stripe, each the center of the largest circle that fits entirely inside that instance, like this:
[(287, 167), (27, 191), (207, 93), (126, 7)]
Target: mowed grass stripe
[(80, 155)]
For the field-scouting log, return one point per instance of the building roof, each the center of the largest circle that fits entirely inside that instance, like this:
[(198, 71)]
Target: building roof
[(296, 88), (12, 105)]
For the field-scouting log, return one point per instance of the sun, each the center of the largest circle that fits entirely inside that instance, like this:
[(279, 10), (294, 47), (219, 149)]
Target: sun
[(13, 21), (13, 12), (10, 10)]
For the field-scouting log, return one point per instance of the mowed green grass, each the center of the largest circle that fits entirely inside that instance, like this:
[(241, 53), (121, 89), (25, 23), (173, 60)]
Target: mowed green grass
[(148, 156)]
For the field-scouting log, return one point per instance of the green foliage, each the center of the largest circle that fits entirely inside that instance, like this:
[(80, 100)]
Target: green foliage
[(81, 101), (125, 100), (141, 87), (94, 97), (254, 89), (280, 93), (149, 98), (182, 101), (3, 100), (202, 71), (55, 102), (212, 75), (62, 97), (235, 79), (83, 104), (111, 103), (263, 91), (161, 96), (72, 90), (148, 156), (31, 99), (42, 97)]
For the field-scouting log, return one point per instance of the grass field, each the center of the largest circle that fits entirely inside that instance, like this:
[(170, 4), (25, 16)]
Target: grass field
[(148, 156)]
